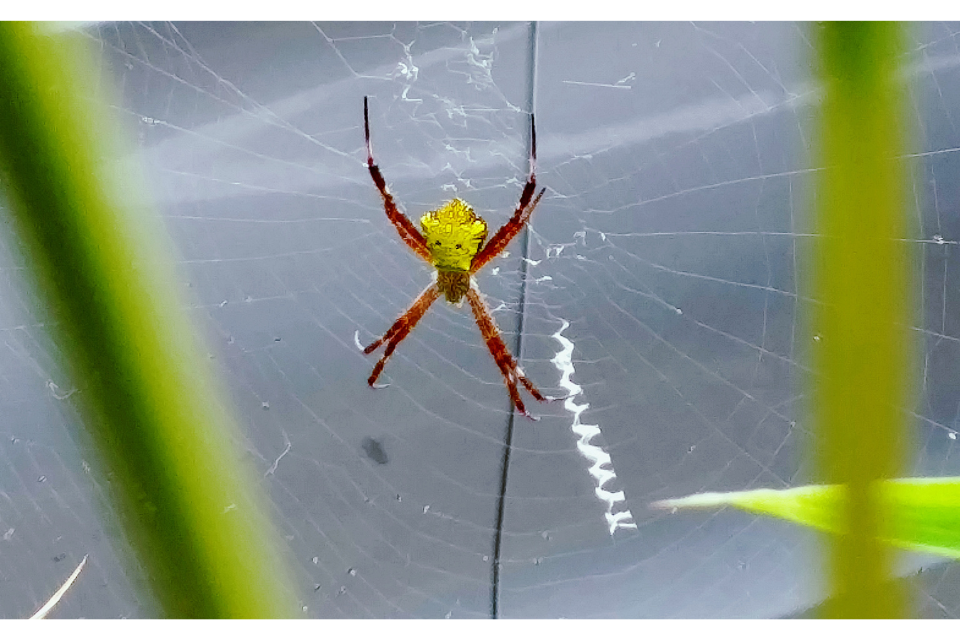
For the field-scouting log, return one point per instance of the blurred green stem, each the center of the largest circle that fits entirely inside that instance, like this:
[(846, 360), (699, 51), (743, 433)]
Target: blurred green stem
[(862, 278), (150, 404)]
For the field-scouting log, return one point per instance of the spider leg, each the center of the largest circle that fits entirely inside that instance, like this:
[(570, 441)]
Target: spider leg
[(408, 232), (401, 329), (501, 355), (521, 215)]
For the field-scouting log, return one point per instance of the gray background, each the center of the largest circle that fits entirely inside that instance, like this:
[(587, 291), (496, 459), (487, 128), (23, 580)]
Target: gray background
[(679, 166)]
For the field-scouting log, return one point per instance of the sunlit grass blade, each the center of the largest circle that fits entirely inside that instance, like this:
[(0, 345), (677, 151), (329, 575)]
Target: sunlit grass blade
[(924, 512), (166, 444), (55, 598)]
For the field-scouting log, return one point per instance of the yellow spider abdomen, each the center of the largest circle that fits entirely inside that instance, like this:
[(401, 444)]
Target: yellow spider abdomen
[(453, 233)]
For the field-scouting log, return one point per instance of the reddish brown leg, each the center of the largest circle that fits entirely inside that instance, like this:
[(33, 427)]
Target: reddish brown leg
[(408, 232), (501, 355), (401, 329), (521, 215)]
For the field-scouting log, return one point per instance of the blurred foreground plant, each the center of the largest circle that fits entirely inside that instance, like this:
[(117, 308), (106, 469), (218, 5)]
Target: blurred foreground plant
[(862, 281), (861, 277), (150, 404)]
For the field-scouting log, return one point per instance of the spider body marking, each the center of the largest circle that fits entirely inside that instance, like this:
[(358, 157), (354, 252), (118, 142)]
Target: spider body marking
[(452, 241)]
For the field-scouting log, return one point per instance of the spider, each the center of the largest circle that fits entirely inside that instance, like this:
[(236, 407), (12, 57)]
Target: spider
[(452, 242)]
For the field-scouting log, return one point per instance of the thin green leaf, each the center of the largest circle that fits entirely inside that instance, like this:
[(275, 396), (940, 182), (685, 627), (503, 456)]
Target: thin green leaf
[(924, 512)]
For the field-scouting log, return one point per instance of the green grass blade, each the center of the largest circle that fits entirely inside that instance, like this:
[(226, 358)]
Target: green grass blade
[(924, 512), (151, 408), (861, 277)]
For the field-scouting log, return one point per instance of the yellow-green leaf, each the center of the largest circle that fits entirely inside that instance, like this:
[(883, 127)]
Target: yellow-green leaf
[(924, 513)]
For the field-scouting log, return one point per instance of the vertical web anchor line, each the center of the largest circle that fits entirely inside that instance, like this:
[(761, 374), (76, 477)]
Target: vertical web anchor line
[(518, 349)]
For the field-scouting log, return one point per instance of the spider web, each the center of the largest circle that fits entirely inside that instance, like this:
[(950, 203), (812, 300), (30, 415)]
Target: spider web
[(661, 291)]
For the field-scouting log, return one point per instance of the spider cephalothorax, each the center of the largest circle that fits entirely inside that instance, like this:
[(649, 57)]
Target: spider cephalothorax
[(453, 243)]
